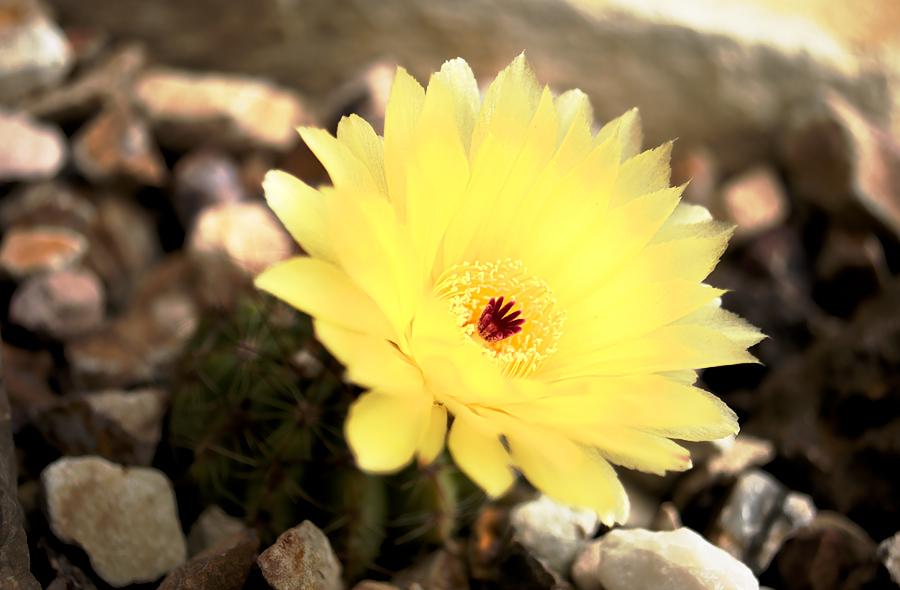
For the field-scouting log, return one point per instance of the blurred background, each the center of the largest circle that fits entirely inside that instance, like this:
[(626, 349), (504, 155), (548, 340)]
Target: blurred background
[(133, 140)]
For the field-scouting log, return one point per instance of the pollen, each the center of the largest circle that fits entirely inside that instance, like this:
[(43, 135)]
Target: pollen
[(512, 314)]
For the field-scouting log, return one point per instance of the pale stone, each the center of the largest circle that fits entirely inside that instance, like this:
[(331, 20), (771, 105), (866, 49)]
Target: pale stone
[(124, 518), (301, 559), (675, 560), (213, 526), (246, 233), (234, 111), (29, 150), (552, 532), (60, 304), (755, 201), (34, 53), (139, 413)]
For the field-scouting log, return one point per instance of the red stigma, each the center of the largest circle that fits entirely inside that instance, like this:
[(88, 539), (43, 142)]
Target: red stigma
[(496, 323)]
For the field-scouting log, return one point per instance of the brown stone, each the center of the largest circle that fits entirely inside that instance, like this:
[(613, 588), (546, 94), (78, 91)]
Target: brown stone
[(136, 346), (203, 179), (60, 304), (828, 413), (26, 376), (366, 95), (30, 251), (188, 109), (29, 150), (14, 558), (301, 559), (122, 426), (47, 203), (889, 554), (755, 201), (842, 162), (373, 585), (667, 518), (222, 567), (35, 53), (441, 570), (832, 552), (124, 244), (109, 79), (117, 145), (697, 167)]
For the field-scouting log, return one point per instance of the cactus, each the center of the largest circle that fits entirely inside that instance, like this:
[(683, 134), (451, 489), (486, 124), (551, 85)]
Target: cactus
[(266, 443)]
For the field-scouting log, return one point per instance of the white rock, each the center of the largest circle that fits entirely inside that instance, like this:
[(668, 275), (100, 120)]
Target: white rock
[(34, 53), (213, 526), (29, 150), (125, 519), (301, 559), (551, 531), (673, 560)]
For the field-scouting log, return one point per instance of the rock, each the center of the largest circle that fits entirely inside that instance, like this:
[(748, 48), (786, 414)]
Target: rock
[(488, 540), (441, 570), (373, 585), (14, 558), (26, 376), (108, 80), (68, 575), (697, 167), (843, 163), (829, 414), (29, 150), (366, 95), (222, 567), (754, 61), (34, 53), (138, 414), (551, 531), (832, 552), (642, 560), (47, 203), (667, 518), (31, 251), (758, 516), (850, 268), (136, 346), (213, 526), (203, 179), (889, 553), (124, 518), (124, 244), (188, 109), (117, 145), (221, 230), (60, 304), (301, 559), (755, 201)]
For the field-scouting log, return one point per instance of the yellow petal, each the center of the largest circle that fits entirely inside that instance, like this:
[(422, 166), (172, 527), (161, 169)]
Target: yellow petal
[(432, 442), (645, 173), (383, 430), (648, 403), (301, 209), (323, 291), (458, 76), (345, 169), (575, 120), (568, 472), (635, 449), (374, 249), (371, 361), (626, 128), (477, 451), (401, 115), (362, 141)]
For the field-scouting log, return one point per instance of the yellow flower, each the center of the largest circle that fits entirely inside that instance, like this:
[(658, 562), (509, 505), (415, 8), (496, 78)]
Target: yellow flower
[(493, 260)]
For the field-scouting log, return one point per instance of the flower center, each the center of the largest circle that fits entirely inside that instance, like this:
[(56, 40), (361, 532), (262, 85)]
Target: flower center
[(512, 314), (496, 321)]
